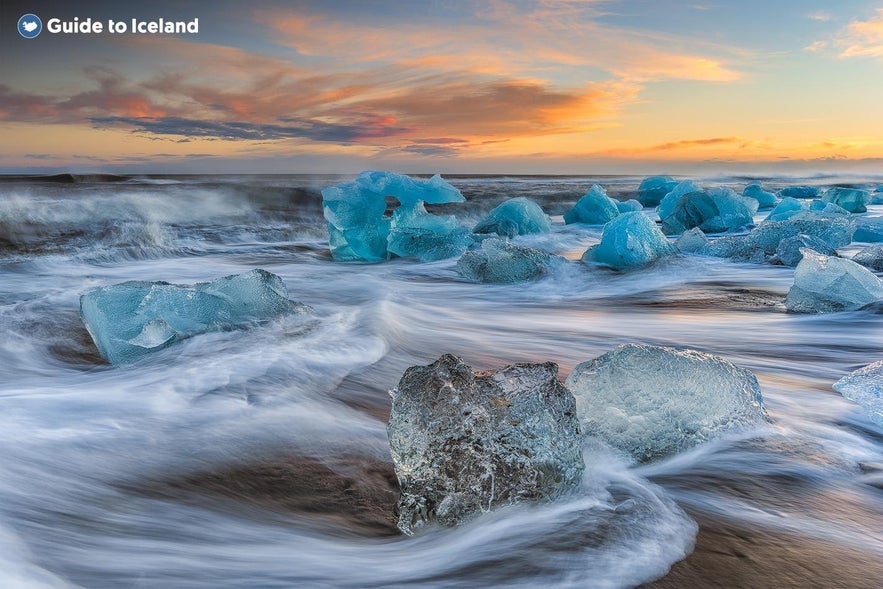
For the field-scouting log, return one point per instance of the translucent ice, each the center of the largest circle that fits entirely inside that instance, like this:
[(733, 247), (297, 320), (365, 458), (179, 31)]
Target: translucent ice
[(691, 241), (865, 387), (789, 207), (714, 211), (764, 199), (869, 229), (800, 192), (788, 253), (516, 216), (414, 233), (629, 205), (824, 284), (464, 442), (653, 189), (355, 211), (128, 320), (594, 208), (870, 257), (853, 200), (667, 204), (629, 241), (651, 401), (500, 261)]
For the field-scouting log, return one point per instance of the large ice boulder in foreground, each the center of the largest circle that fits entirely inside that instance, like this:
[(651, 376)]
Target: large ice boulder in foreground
[(516, 216), (764, 199), (652, 189), (853, 200), (358, 227), (824, 284), (132, 319), (870, 257), (629, 241), (594, 208), (464, 442), (714, 211), (651, 401), (500, 261), (865, 387)]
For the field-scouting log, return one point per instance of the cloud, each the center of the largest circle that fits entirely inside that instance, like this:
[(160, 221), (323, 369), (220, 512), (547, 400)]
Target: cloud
[(821, 16), (688, 143), (860, 38)]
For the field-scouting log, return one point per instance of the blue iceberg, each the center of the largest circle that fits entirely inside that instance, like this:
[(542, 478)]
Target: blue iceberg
[(132, 319), (870, 257), (629, 205), (414, 233), (593, 208), (629, 241), (800, 192), (516, 216), (824, 284), (869, 229), (355, 211), (789, 207), (654, 188), (853, 200), (764, 199), (667, 204), (788, 252), (692, 241), (865, 387), (499, 261), (714, 211)]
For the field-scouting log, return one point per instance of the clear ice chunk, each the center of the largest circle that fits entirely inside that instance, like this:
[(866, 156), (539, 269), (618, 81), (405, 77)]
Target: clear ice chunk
[(593, 208), (629, 241), (865, 387), (800, 192), (714, 211), (516, 216), (627, 206), (853, 200), (414, 233), (764, 199), (691, 241), (464, 442), (824, 284), (128, 320), (652, 189), (788, 252), (869, 229), (667, 204), (870, 257), (651, 401), (499, 261)]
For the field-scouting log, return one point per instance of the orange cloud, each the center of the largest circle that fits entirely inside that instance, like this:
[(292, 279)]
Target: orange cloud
[(862, 38)]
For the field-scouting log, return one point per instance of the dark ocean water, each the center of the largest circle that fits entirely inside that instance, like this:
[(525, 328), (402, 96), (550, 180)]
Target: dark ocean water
[(260, 459)]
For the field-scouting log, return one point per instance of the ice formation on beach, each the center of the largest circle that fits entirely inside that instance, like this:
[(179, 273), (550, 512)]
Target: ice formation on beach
[(865, 387), (500, 261), (516, 216), (359, 229), (824, 284), (853, 200), (869, 229), (651, 401), (651, 190), (627, 206), (414, 233), (667, 204), (764, 199), (691, 241), (629, 241), (464, 442), (594, 208), (131, 319), (788, 252), (870, 257), (714, 211), (790, 207), (800, 192)]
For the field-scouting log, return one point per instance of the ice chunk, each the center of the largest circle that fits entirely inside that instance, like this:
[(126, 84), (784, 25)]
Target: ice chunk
[(500, 261), (713, 211), (824, 284), (764, 199), (865, 387), (870, 257), (691, 241), (629, 241), (464, 442), (629, 205), (853, 200), (653, 189), (788, 253), (594, 208), (651, 401), (667, 204), (355, 211), (800, 192), (129, 320), (869, 229), (516, 216), (763, 241), (787, 208), (414, 233)]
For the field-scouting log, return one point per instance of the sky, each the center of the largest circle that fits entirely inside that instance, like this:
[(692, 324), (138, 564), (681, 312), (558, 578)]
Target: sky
[(451, 86)]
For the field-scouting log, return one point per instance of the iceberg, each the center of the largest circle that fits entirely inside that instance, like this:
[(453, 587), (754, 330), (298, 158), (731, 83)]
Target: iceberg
[(870, 257), (629, 241), (691, 241), (865, 387), (414, 233), (516, 216), (667, 204), (499, 261), (627, 206), (788, 252), (763, 241), (594, 208), (355, 212), (650, 401), (853, 200), (652, 190), (824, 284), (764, 199), (714, 211), (132, 319), (800, 192), (463, 442), (869, 229), (789, 207)]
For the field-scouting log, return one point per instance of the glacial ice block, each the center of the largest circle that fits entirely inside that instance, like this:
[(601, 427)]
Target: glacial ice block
[(499, 261), (869, 229), (691, 241), (654, 188), (764, 199), (800, 192), (865, 387), (824, 284), (464, 442), (870, 257), (414, 233), (516, 216), (667, 204), (629, 205), (355, 211), (128, 320), (629, 241), (593, 208), (763, 241), (651, 401), (714, 211), (853, 200), (788, 253)]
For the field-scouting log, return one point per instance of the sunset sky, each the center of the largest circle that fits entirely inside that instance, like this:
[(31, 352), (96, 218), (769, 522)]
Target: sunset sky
[(499, 86)]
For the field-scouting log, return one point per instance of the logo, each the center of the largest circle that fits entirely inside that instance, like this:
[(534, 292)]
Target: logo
[(29, 26)]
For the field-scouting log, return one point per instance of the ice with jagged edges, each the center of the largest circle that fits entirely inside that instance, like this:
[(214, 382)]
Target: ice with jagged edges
[(691, 241), (651, 401), (132, 319), (359, 229), (788, 253), (714, 211), (800, 192), (414, 233), (789, 207), (824, 284), (764, 199), (853, 200), (463, 442), (499, 261), (870, 257), (627, 206), (668, 202), (629, 241), (516, 216), (653, 189), (869, 229), (593, 208), (865, 387)]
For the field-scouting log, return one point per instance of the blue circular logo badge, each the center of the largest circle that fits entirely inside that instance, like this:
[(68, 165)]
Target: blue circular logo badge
[(29, 26)]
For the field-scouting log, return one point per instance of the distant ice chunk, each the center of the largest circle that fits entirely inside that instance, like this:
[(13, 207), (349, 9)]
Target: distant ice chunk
[(516, 216), (691, 241), (789, 207), (667, 204), (628, 206), (869, 229), (853, 200), (464, 442), (763, 241), (870, 257), (593, 208), (128, 320), (764, 199), (824, 284), (414, 233), (651, 401), (629, 241), (800, 192), (654, 188), (788, 253), (714, 211), (499, 261), (865, 387)]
